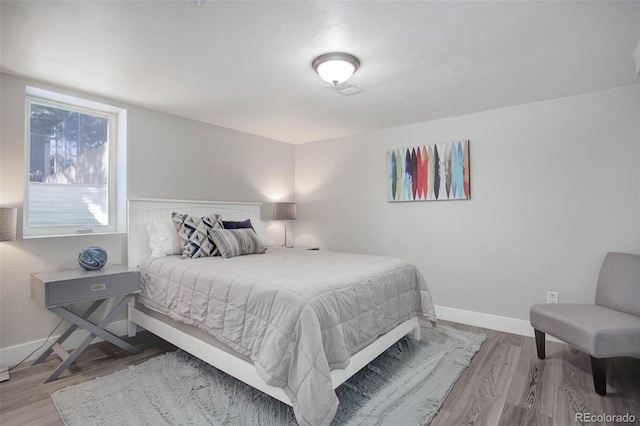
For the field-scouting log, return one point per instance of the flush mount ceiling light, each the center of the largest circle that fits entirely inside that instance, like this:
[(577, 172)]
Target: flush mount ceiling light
[(335, 68)]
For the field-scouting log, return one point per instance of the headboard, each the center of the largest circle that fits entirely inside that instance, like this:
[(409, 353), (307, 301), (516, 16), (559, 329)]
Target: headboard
[(140, 210)]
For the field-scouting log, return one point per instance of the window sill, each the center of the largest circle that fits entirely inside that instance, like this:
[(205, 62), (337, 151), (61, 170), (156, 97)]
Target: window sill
[(78, 234)]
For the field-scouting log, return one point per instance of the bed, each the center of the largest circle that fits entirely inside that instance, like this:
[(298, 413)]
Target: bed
[(294, 324)]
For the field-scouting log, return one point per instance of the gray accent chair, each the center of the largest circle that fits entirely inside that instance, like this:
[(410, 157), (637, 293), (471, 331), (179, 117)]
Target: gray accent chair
[(609, 328)]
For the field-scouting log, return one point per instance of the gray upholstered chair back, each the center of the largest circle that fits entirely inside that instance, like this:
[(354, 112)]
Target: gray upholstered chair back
[(619, 283)]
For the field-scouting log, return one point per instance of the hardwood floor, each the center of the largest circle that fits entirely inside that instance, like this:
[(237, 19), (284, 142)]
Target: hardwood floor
[(25, 398), (506, 384)]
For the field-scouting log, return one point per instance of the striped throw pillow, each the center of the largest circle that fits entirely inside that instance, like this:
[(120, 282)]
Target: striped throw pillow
[(236, 242)]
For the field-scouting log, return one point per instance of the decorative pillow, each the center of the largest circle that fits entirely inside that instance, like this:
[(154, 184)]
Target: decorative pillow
[(258, 226), (236, 242), (163, 238), (194, 236), (228, 224)]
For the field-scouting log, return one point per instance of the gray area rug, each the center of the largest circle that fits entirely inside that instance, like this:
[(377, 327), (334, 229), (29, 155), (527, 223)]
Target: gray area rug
[(406, 385)]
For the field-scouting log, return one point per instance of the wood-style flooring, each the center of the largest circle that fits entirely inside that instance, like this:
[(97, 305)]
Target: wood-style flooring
[(506, 384)]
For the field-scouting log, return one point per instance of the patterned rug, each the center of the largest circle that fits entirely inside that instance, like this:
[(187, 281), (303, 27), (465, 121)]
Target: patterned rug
[(406, 385)]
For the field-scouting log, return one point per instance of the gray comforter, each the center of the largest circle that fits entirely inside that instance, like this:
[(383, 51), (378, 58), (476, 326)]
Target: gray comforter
[(296, 313)]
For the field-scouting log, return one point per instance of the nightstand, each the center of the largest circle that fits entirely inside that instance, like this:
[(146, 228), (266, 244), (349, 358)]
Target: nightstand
[(56, 291), (304, 248)]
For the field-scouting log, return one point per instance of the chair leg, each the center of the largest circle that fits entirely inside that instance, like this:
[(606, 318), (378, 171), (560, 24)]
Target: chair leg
[(540, 342), (599, 369)]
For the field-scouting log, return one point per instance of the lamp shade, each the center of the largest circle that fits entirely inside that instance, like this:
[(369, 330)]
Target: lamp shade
[(284, 211), (8, 223)]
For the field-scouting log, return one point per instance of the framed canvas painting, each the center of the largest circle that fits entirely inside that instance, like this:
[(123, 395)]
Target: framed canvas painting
[(429, 173)]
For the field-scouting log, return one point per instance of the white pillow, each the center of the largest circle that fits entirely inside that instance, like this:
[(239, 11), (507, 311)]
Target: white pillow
[(258, 226), (163, 238)]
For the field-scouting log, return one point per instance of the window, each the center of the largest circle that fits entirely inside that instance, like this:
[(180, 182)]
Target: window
[(75, 166)]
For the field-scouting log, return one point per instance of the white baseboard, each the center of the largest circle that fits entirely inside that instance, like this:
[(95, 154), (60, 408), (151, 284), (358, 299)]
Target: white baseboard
[(14, 354), (494, 322)]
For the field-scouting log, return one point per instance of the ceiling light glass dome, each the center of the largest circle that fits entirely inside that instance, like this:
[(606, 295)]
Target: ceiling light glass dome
[(335, 68)]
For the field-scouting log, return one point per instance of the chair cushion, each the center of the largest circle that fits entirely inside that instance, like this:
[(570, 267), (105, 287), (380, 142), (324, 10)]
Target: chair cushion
[(619, 283), (596, 330)]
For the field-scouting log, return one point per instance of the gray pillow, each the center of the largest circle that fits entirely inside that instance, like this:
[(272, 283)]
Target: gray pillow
[(236, 242)]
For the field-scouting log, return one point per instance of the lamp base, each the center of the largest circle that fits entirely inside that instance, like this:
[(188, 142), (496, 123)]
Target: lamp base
[(285, 235)]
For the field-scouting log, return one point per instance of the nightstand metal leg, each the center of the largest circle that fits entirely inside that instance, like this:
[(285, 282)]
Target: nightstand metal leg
[(95, 330), (67, 333)]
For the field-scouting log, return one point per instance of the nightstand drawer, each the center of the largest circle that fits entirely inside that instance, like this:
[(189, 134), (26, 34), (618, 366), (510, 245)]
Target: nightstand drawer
[(58, 289)]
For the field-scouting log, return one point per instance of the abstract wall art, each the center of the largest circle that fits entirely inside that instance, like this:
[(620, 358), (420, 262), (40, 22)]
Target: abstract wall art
[(429, 172)]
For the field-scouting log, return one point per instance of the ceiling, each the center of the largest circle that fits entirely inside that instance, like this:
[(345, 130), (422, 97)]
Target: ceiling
[(247, 65)]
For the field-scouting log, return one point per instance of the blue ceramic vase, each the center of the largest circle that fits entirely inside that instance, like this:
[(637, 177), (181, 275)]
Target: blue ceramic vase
[(92, 258)]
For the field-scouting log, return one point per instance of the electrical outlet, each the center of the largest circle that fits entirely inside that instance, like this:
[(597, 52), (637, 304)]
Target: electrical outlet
[(552, 297)]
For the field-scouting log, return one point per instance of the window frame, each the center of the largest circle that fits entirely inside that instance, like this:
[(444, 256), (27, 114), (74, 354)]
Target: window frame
[(116, 186)]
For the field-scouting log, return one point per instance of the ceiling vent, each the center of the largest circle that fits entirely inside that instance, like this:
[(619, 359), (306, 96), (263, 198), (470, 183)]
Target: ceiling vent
[(345, 89)]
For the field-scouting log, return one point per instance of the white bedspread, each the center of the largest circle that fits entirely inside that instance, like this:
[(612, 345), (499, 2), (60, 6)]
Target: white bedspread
[(296, 313)]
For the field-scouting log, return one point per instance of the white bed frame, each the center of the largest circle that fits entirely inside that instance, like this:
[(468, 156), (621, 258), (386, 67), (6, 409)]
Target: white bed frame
[(141, 210)]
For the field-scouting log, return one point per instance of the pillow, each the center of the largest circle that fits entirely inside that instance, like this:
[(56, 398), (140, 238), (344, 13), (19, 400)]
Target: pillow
[(258, 226), (193, 234), (163, 238), (228, 224), (236, 242)]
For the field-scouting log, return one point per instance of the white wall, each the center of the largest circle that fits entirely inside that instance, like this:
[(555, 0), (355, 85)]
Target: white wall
[(555, 185), (168, 157)]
